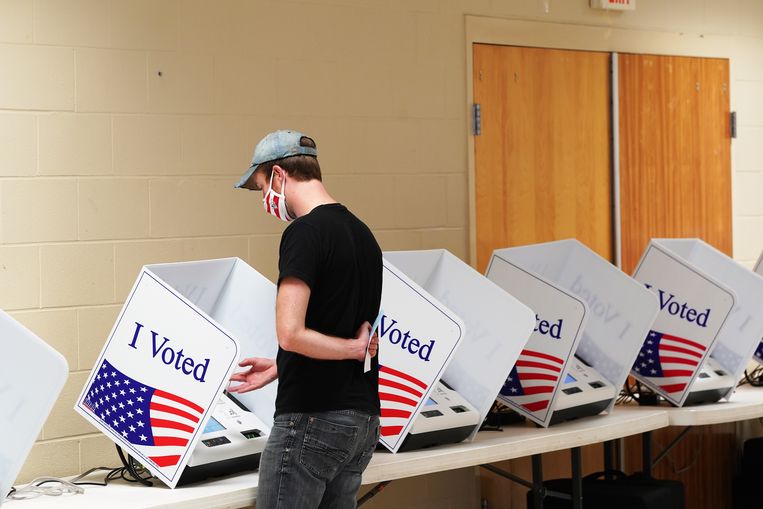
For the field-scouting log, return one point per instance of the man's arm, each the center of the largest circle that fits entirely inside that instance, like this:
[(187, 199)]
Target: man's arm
[(293, 336)]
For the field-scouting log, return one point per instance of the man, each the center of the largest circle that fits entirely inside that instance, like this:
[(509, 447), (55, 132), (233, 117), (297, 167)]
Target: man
[(326, 423)]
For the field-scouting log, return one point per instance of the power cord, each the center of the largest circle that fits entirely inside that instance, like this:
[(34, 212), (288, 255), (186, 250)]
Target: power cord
[(499, 416), (36, 488), (755, 379), (639, 393), (130, 471), (138, 473), (624, 397)]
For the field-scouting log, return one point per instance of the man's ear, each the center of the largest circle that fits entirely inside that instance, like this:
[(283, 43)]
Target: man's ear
[(279, 172)]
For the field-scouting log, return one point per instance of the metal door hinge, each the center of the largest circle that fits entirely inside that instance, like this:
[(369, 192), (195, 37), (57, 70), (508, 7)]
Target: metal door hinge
[(476, 119), (733, 124)]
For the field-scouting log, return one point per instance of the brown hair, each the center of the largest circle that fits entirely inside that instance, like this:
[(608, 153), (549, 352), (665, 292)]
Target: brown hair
[(299, 167)]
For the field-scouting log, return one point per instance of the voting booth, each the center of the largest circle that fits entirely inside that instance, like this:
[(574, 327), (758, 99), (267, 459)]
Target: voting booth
[(698, 316), (590, 322), (157, 387), (32, 375), (418, 337), (740, 336), (497, 328)]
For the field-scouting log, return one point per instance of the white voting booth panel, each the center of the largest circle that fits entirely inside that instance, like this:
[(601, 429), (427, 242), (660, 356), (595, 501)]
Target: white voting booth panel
[(741, 333), (498, 325), (694, 308), (32, 375), (170, 356), (617, 314), (418, 337), (531, 387)]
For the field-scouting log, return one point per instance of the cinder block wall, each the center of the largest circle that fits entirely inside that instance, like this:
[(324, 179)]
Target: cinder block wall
[(124, 123)]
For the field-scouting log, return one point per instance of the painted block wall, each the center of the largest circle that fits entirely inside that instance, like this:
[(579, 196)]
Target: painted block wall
[(125, 123)]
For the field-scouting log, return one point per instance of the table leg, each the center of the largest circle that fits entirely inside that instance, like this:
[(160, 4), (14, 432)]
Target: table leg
[(646, 454), (537, 481), (577, 478), (608, 455)]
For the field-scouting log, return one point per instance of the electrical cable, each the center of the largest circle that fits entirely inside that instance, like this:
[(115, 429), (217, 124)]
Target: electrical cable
[(755, 379), (499, 416), (130, 471), (624, 397), (135, 469), (36, 488)]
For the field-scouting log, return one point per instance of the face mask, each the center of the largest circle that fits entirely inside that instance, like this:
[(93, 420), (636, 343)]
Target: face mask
[(275, 203)]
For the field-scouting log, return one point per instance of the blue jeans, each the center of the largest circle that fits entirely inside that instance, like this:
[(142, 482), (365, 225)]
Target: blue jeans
[(316, 460)]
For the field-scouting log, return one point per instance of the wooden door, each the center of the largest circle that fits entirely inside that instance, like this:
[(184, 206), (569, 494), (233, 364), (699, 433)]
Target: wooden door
[(542, 160), (542, 173), (675, 165), (675, 181)]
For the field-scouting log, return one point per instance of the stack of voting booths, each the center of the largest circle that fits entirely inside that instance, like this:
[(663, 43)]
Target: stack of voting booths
[(158, 387), (552, 330), (591, 320), (709, 325), (430, 286), (32, 375)]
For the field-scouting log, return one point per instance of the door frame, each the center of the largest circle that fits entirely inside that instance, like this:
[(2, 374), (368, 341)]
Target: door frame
[(516, 32)]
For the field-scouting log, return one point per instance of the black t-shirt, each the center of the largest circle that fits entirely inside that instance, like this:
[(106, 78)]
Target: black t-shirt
[(336, 255)]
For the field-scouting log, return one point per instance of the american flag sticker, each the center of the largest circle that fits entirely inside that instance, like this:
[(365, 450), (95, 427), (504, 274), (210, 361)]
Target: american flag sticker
[(669, 362), (158, 423), (532, 382), (399, 394)]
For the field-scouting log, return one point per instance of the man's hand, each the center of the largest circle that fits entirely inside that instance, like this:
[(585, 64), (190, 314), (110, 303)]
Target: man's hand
[(362, 342), (260, 373), (373, 345)]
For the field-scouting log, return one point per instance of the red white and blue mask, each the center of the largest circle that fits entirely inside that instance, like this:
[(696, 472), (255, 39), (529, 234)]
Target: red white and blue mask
[(275, 203)]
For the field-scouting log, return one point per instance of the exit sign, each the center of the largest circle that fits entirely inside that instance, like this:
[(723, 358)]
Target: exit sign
[(614, 5)]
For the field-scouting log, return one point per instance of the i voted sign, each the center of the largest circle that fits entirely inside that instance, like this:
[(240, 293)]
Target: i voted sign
[(693, 309), (159, 374), (417, 339), (532, 385), (741, 333)]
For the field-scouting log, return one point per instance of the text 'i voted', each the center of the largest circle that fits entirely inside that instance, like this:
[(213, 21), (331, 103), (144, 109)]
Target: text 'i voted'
[(169, 356)]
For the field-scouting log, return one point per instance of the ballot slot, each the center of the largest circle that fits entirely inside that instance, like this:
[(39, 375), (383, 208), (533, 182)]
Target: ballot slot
[(584, 391), (711, 383), (233, 438), (445, 417)]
